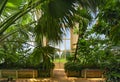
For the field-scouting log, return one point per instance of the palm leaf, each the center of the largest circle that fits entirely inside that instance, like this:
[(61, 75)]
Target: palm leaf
[(49, 28), (61, 8), (41, 53), (3, 37), (2, 5), (8, 22), (54, 17)]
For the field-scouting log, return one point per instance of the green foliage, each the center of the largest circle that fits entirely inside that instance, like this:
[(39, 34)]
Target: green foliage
[(92, 5), (101, 28), (46, 66), (112, 70), (71, 58), (108, 20), (17, 20), (45, 69), (108, 24), (61, 60), (111, 64), (2, 5), (82, 18), (89, 51), (62, 6), (43, 54), (72, 66)]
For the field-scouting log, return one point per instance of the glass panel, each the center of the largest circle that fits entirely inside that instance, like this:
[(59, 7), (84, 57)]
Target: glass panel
[(67, 45), (62, 45), (67, 34)]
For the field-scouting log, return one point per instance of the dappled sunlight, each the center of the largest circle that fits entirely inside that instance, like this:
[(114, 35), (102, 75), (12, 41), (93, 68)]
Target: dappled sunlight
[(40, 80), (62, 79)]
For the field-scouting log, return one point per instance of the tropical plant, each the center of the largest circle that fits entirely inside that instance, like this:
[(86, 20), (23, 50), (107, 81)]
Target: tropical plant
[(72, 66), (43, 54), (108, 20), (10, 12), (73, 69), (111, 64), (108, 24), (23, 16)]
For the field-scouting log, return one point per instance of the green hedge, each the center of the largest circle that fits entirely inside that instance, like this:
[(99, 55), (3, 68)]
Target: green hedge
[(45, 69), (71, 66), (73, 69)]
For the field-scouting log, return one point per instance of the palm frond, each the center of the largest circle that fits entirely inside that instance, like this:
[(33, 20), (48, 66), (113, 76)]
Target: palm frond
[(56, 15), (49, 28), (63, 10), (2, 5), (3, 37), (18, 15), (41, 53)]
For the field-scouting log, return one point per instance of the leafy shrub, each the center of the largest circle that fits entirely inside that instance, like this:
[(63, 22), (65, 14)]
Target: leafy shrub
[(45, 69), (90, 66), (112, 68), (46, 66), (72, 66)]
